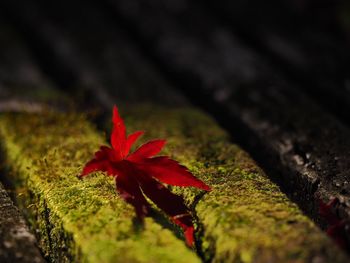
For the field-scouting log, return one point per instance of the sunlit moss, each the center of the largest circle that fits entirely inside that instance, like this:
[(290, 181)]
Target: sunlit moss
[(77, 220), (246, 218)]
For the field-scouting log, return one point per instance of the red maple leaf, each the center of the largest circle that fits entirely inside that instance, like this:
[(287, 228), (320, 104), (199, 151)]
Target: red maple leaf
[(140, 173)]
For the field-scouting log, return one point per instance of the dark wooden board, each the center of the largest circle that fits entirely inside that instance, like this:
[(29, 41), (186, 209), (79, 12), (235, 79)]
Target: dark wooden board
[(95, 54), (305, 41)]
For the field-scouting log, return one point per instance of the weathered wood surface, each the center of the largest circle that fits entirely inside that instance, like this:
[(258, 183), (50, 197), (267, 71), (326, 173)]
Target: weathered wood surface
[(17, 243), (314, 55), (92, 62), (111, 56)]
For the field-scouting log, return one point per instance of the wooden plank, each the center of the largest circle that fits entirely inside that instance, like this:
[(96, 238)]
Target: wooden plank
[(91, 223), (109, 54), (311, 53), (92, 63), (246, 218)]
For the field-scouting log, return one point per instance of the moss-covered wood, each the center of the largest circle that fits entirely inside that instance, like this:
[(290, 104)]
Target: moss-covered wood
[(77, 220), (246, 218)]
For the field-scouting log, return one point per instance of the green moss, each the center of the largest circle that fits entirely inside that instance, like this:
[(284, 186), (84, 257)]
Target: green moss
[(77, 220), (246, 218)]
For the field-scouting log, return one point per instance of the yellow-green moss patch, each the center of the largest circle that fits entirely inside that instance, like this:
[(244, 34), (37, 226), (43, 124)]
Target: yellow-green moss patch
[(246, 218), (77, 220)]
